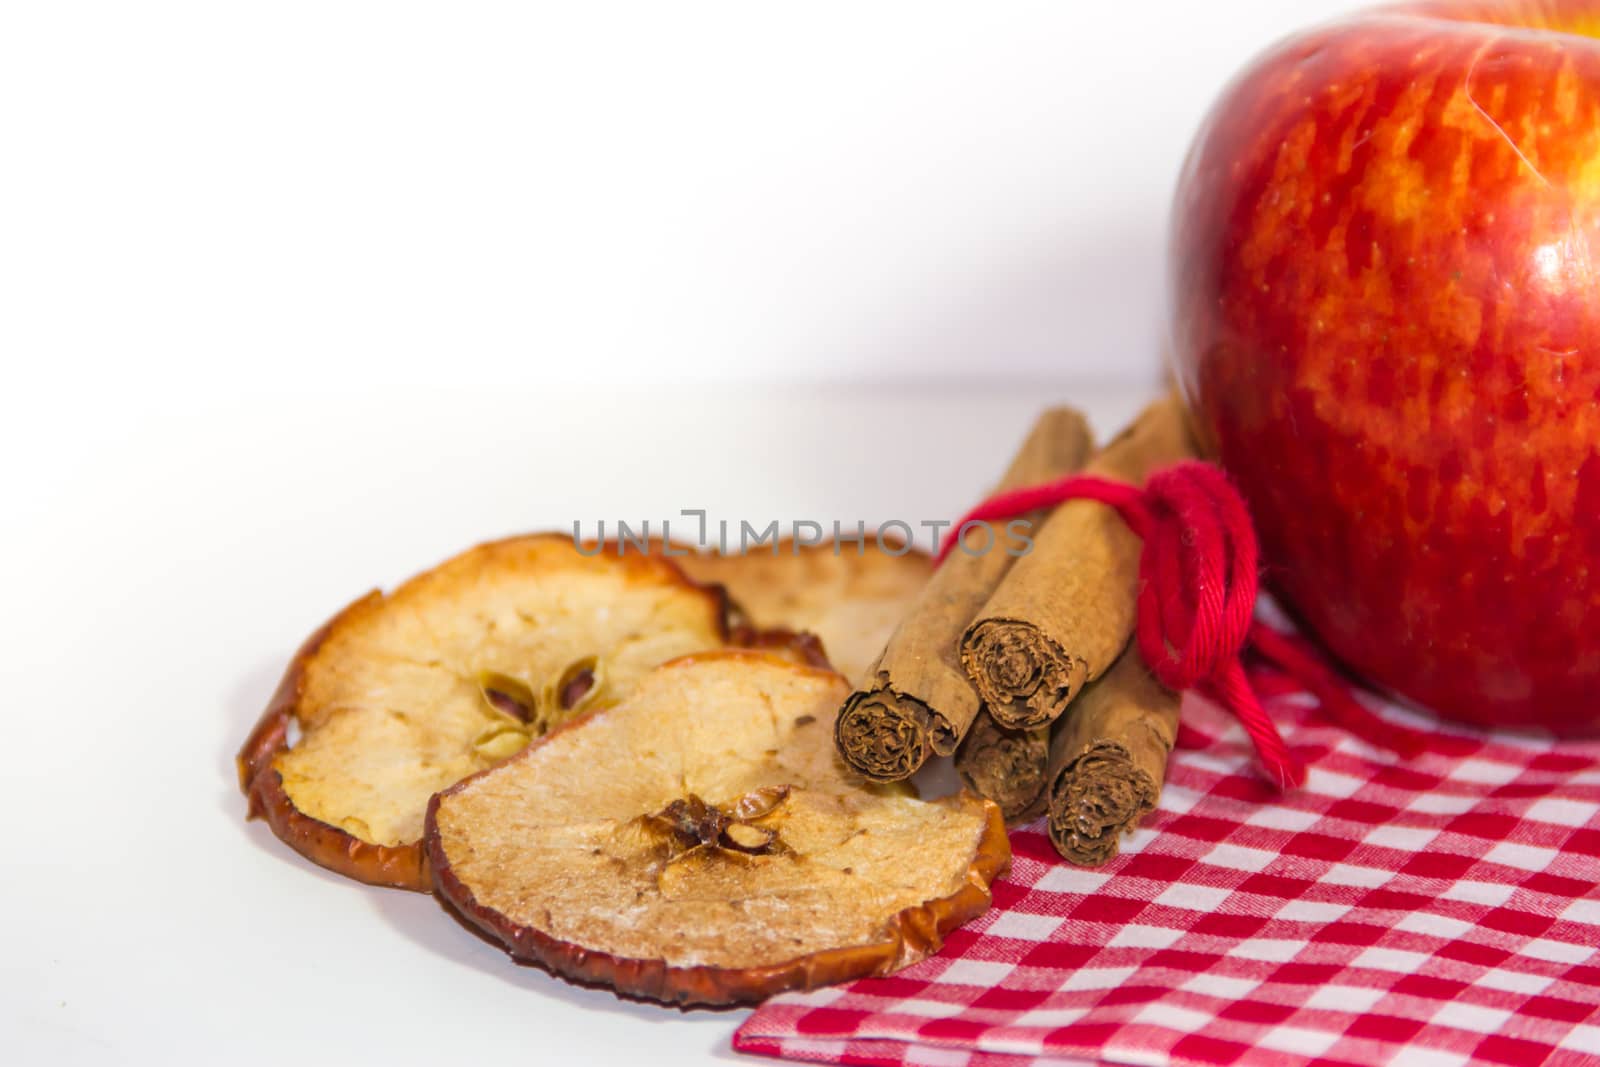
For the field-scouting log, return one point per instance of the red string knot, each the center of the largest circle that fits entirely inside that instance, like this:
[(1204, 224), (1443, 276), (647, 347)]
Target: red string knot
[(1197, 584)]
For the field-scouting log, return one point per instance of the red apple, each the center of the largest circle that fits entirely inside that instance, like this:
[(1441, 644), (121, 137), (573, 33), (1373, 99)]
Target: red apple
[(1386, 316)]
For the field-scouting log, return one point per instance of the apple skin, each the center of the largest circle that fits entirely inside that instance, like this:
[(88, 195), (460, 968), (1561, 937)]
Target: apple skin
[(1385, 316)]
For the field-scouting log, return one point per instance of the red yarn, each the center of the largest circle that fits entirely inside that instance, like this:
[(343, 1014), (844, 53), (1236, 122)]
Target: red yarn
[(1197, 596)]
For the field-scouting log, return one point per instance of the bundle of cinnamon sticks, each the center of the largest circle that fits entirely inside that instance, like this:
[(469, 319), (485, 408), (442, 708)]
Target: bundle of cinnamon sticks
[(1020, 664)]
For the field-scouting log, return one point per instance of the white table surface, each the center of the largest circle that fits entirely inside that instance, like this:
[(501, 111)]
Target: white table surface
[(160, 567)]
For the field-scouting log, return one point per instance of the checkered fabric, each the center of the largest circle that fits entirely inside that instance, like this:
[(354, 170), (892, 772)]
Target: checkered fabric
[(1435, 912)]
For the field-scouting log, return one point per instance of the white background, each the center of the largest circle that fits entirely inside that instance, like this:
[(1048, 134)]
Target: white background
[(307, 192), (297, 299)]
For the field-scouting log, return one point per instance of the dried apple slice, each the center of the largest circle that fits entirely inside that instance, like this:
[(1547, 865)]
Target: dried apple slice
[(402, 695), (850, 596), (701, 843)]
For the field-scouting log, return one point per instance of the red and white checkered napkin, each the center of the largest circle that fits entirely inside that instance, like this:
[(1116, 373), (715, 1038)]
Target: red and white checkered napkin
[(1437, 911)]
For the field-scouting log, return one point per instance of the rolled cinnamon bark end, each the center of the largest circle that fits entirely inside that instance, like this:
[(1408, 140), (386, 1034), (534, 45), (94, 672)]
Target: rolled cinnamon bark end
[(883, 735), (1005, 766), (918, 700), (1062, 613), (1108, 758), (1023, 677), (1104, 794)]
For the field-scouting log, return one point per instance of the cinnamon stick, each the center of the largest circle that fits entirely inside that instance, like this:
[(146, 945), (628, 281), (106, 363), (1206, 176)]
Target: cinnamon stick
[(1108, 757), (1007, 766), (1062, 614), (917, 700)]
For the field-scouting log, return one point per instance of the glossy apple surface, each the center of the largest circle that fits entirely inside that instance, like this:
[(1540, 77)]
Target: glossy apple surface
[(1385, 312)]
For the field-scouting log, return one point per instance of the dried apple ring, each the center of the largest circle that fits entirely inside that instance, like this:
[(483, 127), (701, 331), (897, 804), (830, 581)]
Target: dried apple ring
[(402, 695), (850, 595), (701, 842)]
